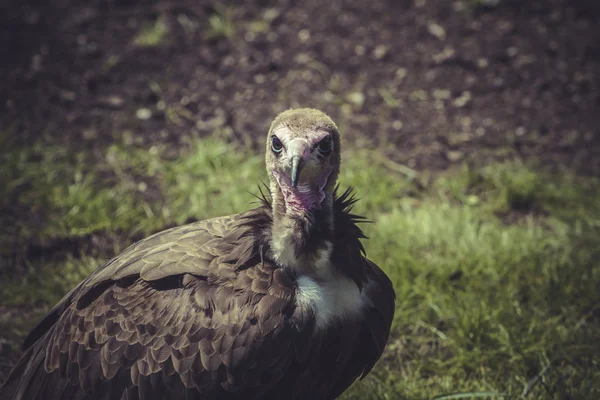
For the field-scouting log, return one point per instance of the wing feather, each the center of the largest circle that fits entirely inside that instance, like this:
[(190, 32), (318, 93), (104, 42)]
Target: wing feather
[(196, 312), (138, 336)]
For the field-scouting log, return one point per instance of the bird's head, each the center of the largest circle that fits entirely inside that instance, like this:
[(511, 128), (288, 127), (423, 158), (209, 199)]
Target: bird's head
[(303, 158)]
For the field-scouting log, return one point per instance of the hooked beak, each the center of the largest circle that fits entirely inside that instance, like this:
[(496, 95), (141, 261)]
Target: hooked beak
[(296, 168), (298, 150)]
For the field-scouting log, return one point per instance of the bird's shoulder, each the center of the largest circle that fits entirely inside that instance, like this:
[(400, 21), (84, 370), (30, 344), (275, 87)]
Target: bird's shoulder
[(215, 250), (202, 248)]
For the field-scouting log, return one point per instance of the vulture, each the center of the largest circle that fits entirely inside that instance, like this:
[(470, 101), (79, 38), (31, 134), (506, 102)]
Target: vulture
[(278, 302)]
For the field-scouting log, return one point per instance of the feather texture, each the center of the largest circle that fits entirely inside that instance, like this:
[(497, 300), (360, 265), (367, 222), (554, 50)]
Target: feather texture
[(200, 312)]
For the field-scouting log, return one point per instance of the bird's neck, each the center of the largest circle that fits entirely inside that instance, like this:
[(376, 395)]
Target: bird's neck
[(302, 237)]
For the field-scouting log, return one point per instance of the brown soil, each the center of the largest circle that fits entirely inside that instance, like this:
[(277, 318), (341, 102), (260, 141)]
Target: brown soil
[(430, 83)]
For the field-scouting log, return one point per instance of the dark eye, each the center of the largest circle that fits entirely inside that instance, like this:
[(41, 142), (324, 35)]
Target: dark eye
[(324, 146), (276, 145)]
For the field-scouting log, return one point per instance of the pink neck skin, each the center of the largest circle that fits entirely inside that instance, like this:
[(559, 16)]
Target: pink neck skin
[(302, 199)]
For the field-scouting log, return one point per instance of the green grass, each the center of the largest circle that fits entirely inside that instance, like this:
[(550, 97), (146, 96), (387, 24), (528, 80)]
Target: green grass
[(60, 195), (496, 269), (152, 35), (220, 23)]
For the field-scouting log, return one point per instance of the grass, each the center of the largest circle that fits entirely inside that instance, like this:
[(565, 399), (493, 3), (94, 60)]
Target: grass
[(62, 197), (496, 269), (152, 35), (220, 23)]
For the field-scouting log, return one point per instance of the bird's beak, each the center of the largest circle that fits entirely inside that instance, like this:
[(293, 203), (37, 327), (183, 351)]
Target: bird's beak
[(296, 168), (297, 149)]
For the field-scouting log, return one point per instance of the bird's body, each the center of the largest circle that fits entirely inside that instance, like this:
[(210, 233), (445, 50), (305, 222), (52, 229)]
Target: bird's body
[(278, 302)]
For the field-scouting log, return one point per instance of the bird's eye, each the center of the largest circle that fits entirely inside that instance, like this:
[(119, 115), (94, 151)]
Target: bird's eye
[(276, 145), (325, 146)]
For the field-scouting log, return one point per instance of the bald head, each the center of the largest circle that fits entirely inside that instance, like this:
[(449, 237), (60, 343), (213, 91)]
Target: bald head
[(303, 157)]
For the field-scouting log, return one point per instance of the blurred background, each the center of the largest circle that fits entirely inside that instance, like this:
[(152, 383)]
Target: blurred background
[(471, 133)]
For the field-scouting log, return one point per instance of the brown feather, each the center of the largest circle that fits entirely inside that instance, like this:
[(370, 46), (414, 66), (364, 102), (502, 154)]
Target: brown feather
[(201, 311)]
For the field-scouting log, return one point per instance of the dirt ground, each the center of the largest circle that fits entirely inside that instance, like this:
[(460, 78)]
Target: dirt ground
[(429, 83), (432, 82)]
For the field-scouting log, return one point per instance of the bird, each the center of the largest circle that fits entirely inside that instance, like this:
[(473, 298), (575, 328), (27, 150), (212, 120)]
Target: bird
[(277, 302)]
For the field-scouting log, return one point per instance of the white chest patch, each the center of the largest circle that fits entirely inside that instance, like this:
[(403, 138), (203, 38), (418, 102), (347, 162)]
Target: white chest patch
[(330, 299)]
